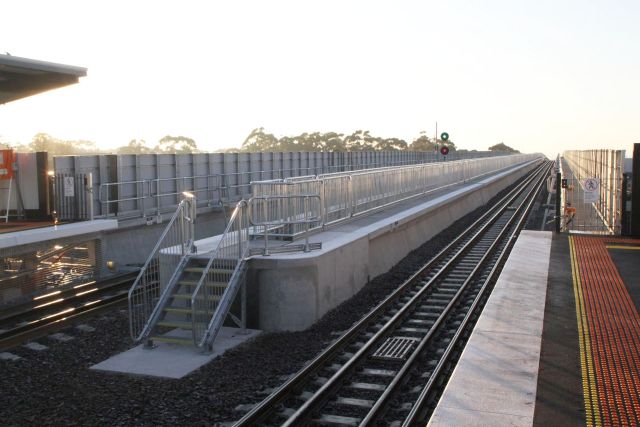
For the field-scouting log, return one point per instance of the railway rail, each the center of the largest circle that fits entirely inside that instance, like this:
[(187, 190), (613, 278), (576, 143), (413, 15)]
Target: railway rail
[(53, 311), (391, 365)]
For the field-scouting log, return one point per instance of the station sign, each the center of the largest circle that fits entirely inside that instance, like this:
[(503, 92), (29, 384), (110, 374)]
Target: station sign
[(591, 187), (68, 186)]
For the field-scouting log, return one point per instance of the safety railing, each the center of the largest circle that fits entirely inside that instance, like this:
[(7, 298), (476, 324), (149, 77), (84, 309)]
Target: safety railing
[(175, 243), (346, 195), (149, 197), (275, 216), (221, 279)]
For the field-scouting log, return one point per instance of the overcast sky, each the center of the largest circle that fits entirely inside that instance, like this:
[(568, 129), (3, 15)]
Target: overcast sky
[(537, 75)]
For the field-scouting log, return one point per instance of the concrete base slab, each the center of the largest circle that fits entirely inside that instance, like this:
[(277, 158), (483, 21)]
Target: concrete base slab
[(173, 360)]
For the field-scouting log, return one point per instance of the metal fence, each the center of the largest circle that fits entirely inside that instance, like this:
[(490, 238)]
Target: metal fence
[(346, 195), (592, 193), (149, 185)]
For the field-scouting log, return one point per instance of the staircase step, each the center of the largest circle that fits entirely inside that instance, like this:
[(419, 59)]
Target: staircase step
[(194, 270), (188, 297), (173, 340), (209, 285), (184, 310), (213, 270), (175, 324)]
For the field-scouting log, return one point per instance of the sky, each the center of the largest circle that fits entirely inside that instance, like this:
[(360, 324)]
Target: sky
[(539, 76)]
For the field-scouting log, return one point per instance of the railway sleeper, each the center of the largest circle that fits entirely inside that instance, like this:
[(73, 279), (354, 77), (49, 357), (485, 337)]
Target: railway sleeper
[(336, 420)]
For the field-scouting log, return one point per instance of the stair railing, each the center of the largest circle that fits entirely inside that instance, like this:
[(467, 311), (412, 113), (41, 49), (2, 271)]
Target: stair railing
[(172, 248), (221, 279)]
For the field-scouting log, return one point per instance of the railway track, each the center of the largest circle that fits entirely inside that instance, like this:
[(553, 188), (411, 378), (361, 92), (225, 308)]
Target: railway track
[(391, 365), (55, 310)]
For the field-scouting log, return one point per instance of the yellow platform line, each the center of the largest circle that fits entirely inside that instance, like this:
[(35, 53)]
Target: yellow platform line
[(631, 248), (592, 410)]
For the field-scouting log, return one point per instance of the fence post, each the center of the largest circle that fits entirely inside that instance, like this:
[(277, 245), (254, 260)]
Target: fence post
[(558, 197), (90, 194), (635, 192)]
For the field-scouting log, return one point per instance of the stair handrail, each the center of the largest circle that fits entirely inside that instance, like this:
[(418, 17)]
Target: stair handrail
[(144, 294), (204, 311)]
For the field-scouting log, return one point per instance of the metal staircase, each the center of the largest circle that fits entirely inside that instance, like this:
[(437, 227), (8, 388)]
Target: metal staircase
[(181, 297)]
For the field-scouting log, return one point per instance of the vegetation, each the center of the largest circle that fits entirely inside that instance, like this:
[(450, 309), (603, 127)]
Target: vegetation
[(503, 148), (258, 141)]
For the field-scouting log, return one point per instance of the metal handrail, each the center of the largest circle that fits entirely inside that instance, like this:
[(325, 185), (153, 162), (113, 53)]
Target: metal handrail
[(145, 291), (347, 195), (225, 260), (293, 218), (144, 191)]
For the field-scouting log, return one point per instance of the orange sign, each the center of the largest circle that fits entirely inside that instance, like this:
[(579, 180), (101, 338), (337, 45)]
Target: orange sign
[(7, 160)]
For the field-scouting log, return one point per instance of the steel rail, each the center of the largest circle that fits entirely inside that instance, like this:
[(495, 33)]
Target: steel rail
[(44, 303), (520, 213), (264, 408), (417, 409), (336, 380), (15, 336)]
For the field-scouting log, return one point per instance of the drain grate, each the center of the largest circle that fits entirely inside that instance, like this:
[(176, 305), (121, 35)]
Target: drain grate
[(395, 348)]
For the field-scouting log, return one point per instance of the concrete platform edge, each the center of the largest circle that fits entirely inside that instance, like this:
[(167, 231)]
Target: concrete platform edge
[(495, 381)]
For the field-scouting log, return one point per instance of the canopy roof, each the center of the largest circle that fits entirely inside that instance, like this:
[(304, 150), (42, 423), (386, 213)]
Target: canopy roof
[(22, 77)]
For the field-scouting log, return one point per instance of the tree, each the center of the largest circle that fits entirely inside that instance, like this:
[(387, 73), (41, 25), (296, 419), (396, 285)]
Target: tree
[(392, 144), (503, 148), (177, 145), (258, 141), (57, 147), (135, 146), (422, 143)]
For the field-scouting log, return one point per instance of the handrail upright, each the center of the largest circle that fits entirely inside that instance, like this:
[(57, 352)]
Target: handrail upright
[(145, 291)]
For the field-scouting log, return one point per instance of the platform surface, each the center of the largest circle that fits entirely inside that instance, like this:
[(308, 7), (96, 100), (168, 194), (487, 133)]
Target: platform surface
[(379, 222), (495, 380), (41, 234), (172, 360)]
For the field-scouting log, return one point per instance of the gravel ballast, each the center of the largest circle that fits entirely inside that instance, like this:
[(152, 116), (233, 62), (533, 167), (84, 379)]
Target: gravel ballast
[(55, 386)]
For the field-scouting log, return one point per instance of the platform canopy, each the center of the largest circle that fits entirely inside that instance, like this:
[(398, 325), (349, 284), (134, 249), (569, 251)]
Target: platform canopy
[(22, 77)]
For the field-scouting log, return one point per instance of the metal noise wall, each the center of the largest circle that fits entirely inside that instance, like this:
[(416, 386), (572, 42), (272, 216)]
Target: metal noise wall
[(150, 185), (593, 190)]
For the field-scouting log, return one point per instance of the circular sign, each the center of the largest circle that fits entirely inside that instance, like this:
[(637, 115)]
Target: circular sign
[(444, 136), (444, 150)]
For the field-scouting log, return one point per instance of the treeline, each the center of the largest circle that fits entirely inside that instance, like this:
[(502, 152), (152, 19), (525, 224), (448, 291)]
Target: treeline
[(59, 147), (360, 140), (257, 141)]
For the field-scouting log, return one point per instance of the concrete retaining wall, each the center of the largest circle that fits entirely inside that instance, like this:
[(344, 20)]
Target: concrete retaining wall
[(291, 292)]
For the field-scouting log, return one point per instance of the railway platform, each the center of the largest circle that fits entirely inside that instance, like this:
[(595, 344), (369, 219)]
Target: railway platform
[(558, 342)]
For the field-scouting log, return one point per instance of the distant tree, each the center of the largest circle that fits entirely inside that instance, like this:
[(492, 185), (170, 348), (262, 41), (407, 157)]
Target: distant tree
[(176, 144), (258, 140), (503, 148), (58, 147), (422, 143), (392, 144), (135, 146), (449, 143), (360, 141)]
